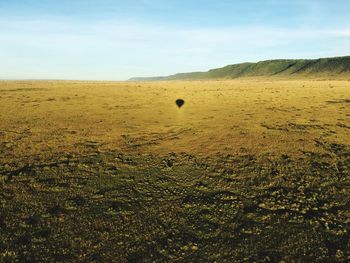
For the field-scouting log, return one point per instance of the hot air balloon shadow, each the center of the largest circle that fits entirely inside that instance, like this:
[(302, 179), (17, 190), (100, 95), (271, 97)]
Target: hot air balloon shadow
[(180, 103)]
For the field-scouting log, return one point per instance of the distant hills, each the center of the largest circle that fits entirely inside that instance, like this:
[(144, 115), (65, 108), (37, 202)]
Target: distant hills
[(337, 67)]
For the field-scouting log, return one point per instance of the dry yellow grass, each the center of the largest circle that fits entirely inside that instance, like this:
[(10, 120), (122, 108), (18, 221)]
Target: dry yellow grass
[(247, 170), (232, 117)]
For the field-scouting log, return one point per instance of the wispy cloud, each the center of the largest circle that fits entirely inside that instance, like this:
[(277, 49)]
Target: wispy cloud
[(116, 32)]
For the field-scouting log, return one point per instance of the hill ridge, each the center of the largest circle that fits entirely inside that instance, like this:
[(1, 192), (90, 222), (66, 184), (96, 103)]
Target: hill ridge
[(333, 67)]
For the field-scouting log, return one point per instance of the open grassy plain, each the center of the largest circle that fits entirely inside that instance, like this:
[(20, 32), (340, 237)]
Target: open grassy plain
[(247, 170)]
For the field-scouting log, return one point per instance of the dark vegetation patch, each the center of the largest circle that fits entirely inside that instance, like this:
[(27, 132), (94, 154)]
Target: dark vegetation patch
[(23, 90), (111, 207), (341, 101), (290, 126)]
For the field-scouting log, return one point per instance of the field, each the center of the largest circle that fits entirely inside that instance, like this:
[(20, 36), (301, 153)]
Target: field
[(247, 170)]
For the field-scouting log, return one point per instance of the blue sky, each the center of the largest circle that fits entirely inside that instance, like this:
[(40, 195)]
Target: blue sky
[(116, 40)]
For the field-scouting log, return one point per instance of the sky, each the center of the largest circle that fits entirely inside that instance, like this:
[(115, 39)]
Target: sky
[(117, 40)]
